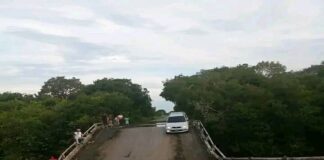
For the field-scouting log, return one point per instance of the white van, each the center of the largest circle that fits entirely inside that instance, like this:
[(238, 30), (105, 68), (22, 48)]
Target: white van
[(177, 122)]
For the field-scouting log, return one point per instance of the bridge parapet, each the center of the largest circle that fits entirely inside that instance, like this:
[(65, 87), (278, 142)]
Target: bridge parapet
[(217, 153), (204, 135), (74, 148)]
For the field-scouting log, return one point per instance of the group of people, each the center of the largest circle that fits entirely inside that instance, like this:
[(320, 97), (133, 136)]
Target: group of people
[(110, 120), (107, 120)]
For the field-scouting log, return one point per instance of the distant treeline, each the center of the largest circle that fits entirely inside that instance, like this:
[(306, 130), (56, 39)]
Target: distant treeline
[(34, 127), (260, 110)]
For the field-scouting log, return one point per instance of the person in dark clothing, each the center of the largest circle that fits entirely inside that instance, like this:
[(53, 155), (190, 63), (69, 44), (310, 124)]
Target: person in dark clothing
[(104, 119)]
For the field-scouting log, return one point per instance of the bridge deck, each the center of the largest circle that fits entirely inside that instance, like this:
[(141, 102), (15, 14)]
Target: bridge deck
[(144, 143)]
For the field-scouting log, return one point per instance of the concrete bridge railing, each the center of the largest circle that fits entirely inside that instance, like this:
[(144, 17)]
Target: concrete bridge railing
[(204, 135), (73, 149), (216, 152)]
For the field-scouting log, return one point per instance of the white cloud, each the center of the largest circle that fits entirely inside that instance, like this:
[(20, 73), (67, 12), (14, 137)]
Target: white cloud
[(12, 24), (150, 41), (22, 88), (115, 60), (9, 71), (29, 52), (75, 12)]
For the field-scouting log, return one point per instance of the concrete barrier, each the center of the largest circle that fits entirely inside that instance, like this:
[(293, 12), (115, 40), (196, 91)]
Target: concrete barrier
[(216, 152), (73, 149), (212, 148)]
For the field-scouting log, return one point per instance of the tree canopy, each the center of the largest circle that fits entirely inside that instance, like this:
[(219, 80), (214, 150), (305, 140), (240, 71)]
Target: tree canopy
[(269, 69), (60, 87), (36, 127), (139, 96), (257, 110)]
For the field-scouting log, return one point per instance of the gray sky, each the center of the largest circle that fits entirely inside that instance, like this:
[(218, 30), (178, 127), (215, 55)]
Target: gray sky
[(150, 41)]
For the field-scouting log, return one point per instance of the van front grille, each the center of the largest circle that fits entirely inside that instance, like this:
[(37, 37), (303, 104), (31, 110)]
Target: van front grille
[(176, 127)]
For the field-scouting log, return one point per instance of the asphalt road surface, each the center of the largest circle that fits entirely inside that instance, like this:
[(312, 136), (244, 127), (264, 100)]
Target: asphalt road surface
[(144, 143)]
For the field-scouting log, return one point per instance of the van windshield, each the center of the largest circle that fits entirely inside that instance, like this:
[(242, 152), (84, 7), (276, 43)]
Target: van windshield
[(176, 119)]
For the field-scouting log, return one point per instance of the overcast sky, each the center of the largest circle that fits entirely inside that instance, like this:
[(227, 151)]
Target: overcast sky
[(150, 41)]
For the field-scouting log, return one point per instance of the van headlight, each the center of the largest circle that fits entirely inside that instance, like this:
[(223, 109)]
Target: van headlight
[(185, 127), (168, 127)]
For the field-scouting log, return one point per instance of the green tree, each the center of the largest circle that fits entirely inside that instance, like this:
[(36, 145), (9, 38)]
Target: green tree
[(255, 110), (60, 87), (140, 96), (35, 128), (160, 112), (269, 69)]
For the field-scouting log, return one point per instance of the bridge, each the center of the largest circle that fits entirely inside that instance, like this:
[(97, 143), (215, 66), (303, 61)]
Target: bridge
[(150, 142)]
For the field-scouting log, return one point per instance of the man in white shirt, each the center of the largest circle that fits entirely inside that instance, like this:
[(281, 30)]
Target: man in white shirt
[(78, 136)]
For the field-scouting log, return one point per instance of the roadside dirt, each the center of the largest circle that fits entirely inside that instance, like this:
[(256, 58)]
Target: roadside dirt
[(145, 143)]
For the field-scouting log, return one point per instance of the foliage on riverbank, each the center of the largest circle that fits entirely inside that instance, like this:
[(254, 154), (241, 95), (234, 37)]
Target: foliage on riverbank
[(260, 110), (34, 127)]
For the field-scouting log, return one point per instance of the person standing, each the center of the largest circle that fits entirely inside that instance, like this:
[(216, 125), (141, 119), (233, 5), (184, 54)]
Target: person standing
[(117, 121), (104, 119), (126, 121), (120, 118), (78, 136)]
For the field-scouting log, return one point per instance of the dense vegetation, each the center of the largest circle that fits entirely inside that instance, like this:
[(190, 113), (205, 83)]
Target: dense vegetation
[(34, 127), (260, 110)]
